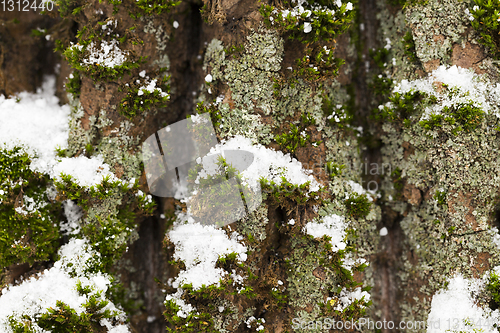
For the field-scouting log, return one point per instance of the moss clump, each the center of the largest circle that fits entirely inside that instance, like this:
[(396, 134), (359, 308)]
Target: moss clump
[(193, 322), (338, 114), (334, 169), (111, 208), (24, 204), (409, 47), (138, 8), (493, 287), (402, 106), (440, 197), (90, 40), (318, 64), (75, 54), (468, 116), (286, 192), (143, 96), (358, 206), (319, 20), (296, 135), (485, 16), (74, 84), (65, 319), (68, 7)]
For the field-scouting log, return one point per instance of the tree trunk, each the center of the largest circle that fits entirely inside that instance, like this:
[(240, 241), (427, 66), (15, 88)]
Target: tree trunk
[(378, 173)]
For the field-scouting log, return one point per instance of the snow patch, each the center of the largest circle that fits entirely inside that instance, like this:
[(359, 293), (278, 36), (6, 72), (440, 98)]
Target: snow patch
[(456, 305), (199, 247), (333, 226), (36, 122)]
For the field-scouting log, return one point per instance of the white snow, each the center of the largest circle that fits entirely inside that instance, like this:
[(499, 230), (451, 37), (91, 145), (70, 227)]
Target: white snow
[(73, 215), (208, 78), (307, 27), (267, 163), (85, 171), (185, 309), (35, 122), (383, 231), (199, 247), (39, 293), (471, 88), (108, 54), (347, 297), (150, 88), (333, 226), (456, 305)]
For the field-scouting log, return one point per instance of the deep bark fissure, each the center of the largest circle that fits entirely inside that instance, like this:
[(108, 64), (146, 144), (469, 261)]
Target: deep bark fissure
[(149, 258), (387, 260)]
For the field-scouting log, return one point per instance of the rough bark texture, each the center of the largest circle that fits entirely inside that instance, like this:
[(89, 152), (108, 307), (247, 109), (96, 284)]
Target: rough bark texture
[(427, 241)]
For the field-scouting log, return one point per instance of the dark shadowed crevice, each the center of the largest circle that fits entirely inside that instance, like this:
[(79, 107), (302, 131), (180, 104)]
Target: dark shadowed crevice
[(146, 256), (386, 292), (184, 51), (149, 264)]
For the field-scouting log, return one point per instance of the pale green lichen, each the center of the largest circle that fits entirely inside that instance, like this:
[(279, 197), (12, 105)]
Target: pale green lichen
[(249, 79), (436, 27), (462, 166)]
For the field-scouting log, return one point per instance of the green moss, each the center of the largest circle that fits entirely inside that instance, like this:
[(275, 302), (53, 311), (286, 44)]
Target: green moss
[(334, 169), (358, 206), (139, 99), (75, 55), (74, 84), (65, 319), (285, 192), (337, 114), (194, 322), (68, 7), (409, 47), (327, 22), (486, 14), (139, 8), (318, 63), (90, 38), (24, 203), (467, 117), (297, 135), (493, 287)]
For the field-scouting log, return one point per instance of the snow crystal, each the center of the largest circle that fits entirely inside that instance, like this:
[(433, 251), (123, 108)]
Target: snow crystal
[(333, 226), (355, 187), (150, 88), (108, 55), (36, 122)]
